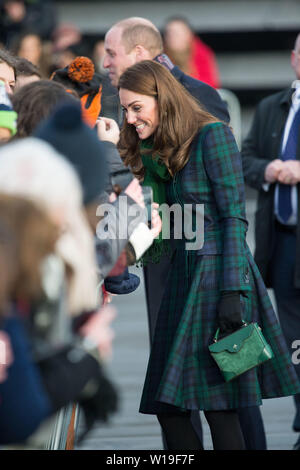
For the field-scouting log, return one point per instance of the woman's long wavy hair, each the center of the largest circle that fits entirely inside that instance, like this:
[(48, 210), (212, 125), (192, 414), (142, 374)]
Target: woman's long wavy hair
[(180, 117)]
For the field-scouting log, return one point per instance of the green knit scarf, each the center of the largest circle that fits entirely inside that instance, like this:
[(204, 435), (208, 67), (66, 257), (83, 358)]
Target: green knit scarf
[(156, 176)]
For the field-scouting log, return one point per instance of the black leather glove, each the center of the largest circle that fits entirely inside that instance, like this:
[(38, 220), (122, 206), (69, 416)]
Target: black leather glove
[(229, 312), (71, 375), (98, 401)]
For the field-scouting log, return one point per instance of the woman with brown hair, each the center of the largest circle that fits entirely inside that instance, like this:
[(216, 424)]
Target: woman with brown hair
[(190, 158), (30, 46), (187, 50)]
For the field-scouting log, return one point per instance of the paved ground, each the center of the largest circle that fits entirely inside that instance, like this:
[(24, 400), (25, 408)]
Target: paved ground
[(130, 430)]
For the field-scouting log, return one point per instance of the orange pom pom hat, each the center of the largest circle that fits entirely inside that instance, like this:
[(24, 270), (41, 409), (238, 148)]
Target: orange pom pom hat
[(80, 76), (81, 70)]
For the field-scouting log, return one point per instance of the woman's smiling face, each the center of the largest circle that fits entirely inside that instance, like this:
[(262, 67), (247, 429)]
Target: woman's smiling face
[(141, 111)]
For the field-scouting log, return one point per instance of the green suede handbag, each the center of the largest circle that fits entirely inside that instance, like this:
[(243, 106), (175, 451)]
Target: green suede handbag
[(240, 351)]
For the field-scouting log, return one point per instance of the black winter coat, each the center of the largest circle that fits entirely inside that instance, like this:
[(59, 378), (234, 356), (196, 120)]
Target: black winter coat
[(262, 145), (205, 94)]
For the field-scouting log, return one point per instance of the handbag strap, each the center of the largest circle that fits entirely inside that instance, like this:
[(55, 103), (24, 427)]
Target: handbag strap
[(218, 331)]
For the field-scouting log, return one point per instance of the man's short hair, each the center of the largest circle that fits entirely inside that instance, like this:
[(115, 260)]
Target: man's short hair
[(9, 59), (135, 32)]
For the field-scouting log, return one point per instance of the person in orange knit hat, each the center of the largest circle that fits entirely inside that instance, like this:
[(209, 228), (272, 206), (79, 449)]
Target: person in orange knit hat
[(80, 77)]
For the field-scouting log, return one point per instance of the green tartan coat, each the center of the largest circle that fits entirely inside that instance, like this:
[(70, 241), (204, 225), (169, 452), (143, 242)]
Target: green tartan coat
[(181, 372)]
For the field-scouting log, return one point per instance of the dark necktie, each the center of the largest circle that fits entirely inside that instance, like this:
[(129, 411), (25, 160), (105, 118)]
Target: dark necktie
[(289, 153)]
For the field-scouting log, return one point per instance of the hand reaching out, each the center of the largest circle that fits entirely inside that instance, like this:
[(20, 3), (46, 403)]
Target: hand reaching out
[(98, 330), (108, 130), (134, 190)]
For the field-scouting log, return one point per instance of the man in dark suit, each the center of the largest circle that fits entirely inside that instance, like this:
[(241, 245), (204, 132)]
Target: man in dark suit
[(271, 154), (126, 43)]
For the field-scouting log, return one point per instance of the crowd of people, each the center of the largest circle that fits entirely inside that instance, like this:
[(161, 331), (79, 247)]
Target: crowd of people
[(31, 30), (60, 157), (67, 241)]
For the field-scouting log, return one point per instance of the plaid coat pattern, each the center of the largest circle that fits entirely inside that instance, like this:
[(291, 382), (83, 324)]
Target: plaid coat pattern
[(181, 372)]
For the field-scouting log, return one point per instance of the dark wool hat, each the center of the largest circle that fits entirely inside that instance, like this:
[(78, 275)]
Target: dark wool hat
[(70, 136), (123, 284), (80, 76)]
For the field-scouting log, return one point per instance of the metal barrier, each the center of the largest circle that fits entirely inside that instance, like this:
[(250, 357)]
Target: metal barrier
[(64, 429), (66, 422), (66, 419), (234, 110)]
